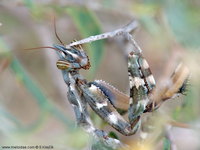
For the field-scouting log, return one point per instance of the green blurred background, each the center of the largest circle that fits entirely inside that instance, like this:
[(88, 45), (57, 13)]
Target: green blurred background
[(33, 106)]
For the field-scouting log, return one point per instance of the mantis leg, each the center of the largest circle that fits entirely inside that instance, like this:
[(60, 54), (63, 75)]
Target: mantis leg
[(141, 85), (102, 105), (101, 98), (79, 105)]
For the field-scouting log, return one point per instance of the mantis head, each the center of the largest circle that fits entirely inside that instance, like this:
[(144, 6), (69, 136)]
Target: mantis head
[(71, 58)]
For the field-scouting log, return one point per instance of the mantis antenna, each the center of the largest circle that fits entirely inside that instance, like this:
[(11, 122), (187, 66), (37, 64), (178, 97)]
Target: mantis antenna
[(54, 23), (41, 48)]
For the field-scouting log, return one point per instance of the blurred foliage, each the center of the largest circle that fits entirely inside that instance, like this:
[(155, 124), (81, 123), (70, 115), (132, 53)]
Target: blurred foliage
[(165, 21), (166, 144), (42, 101), (184, 21), (182, 17), (185, 111), (113, 135), (100, 146)]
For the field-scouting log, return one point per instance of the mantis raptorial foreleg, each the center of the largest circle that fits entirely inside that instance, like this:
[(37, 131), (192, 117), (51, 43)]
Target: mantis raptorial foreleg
[(103, 100), (79, 104)]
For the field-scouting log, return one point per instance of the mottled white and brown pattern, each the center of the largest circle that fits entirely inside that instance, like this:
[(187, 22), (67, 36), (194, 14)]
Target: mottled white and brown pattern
[(107, 101)]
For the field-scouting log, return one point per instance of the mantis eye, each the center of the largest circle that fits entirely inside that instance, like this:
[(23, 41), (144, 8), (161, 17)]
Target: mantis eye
[(62, 65), (63, 55)]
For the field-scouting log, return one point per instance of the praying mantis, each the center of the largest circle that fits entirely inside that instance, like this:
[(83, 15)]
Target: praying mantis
[(106, 100)]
